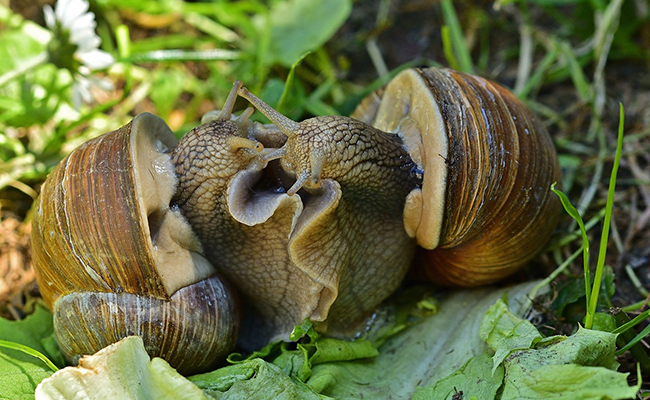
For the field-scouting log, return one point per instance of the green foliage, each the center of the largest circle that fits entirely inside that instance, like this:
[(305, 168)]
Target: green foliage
[(524, 365), (254, 38), (592, 294), (21, 370)]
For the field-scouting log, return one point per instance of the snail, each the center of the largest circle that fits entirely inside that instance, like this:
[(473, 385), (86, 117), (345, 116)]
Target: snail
[(451, 161), (113, 257), (320, 219)]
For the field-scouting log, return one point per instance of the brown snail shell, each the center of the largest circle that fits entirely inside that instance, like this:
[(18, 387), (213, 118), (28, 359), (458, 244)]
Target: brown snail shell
[(488, 163), (105, 241)]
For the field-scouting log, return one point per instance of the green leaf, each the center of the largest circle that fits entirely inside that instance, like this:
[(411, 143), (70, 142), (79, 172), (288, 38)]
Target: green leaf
[(20, 41), (580, 367), (569, 382), (505, 332), (299, 26), (330, 349), (253, 379), (168, 87), (288, 85), (122, 370), (20, 373), (36, 332), (476, 379)]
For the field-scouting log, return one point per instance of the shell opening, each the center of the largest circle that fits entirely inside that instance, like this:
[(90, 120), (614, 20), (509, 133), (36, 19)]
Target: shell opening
[(408, 109), (174, 246)]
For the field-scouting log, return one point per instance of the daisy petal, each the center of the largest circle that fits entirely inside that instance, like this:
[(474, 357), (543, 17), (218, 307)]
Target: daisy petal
[(73, 11), (88, 43), (86, 21), (83, 38), (96, 59), (50, 19), (59, 9)]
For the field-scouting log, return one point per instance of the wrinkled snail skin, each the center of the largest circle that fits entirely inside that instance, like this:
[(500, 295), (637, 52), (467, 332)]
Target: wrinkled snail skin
[(244, 222), (354, 180), (112, 259)]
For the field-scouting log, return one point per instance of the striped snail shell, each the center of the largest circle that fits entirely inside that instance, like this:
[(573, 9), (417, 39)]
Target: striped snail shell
[(113, 257)]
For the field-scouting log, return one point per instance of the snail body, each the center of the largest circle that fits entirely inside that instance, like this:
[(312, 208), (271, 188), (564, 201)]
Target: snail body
[(244, 224), (483, 166)]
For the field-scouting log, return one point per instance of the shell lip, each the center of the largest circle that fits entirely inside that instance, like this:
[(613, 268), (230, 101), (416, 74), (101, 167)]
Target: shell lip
[(408, 108), (176, 251)]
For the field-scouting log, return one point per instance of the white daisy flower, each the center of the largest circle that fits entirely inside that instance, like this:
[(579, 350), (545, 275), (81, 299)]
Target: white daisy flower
[(75, 46)]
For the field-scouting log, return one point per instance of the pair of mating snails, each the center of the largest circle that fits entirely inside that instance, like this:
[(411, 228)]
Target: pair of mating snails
[(138, 234)]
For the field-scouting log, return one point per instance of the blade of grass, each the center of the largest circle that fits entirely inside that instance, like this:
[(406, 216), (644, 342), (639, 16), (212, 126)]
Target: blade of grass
[(29, 351), (124, 48), (552, 275), (289, 82), (634, 341), (526, 48), (575, 234), (571, 210), (577, 74), (632, 323), (600, 265), (456, 37), (211, 27), (184, 55), (448, 48), (625, 336), (535, 80)]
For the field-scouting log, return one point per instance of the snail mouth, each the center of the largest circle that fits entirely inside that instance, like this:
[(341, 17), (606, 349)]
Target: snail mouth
[(254, 196)]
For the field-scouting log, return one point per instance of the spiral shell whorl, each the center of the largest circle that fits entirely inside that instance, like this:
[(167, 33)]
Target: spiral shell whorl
[(485, 207), (499, 210)]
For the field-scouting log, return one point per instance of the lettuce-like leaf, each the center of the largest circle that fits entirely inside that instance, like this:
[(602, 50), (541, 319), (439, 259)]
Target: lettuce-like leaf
[(253, 379), (21, 373), (122, 370), (475, 380), (504, 332), (421, 355), (527, 366), (580, 367)]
